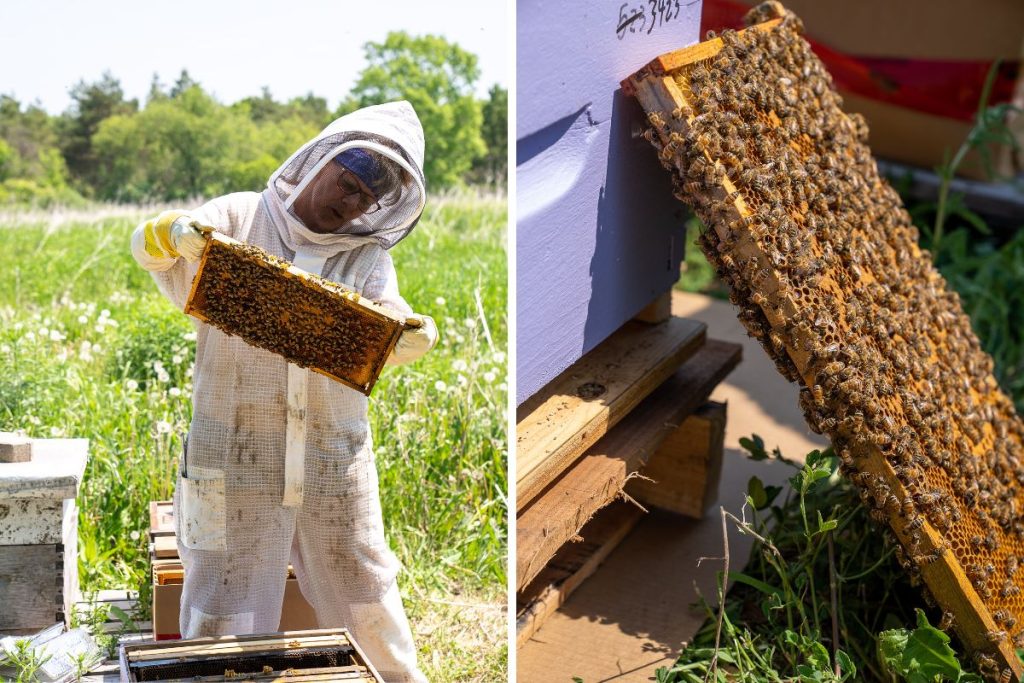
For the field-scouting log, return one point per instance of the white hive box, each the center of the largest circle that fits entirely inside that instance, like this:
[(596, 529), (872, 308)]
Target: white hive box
[(39, 535)]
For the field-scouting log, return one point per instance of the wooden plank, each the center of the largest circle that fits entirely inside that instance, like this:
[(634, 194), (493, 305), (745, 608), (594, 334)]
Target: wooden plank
[(682, 475), (165, 547), (658, 311), (597, 479), (31, 591), (31, 521), (55, 471), (965, 409), (555, 426), (572, 565), (161, 518)]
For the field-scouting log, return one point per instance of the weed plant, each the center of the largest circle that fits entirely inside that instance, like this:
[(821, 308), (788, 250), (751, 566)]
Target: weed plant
[(90, 349)]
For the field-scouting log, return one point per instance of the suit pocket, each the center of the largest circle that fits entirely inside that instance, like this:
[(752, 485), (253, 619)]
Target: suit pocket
[(202, 520)]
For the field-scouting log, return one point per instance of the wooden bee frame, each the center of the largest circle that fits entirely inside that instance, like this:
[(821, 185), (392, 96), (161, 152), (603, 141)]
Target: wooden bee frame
[(309, 321), (316, 655), (845, 299)]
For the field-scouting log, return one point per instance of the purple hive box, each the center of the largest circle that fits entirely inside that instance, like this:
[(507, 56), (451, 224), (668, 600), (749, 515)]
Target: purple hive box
[(598, 234)]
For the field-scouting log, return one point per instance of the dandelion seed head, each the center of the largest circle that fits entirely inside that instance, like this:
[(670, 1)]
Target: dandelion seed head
[(439, 385), (132, 385), (440, 301)]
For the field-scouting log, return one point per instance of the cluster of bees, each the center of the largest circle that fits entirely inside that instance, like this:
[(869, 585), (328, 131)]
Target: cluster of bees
[(823, 263), (243, 291)]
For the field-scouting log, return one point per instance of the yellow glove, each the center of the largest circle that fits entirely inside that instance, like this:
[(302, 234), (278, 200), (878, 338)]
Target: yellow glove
[(171, 234), (415, 341)]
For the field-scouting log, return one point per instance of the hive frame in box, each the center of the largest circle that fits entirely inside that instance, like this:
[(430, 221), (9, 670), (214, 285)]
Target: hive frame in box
[(672, 112), (393, 323), (287, 642)]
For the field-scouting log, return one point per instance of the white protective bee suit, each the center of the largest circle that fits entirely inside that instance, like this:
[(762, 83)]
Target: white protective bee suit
[(244, 507)]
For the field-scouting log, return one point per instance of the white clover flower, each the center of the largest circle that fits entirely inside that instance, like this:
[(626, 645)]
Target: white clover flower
[(440, 385), (174, 391), (499, 357), (489, 377), (163, 427), (459, 365), (134, 535), (440, 301), (83, 319), (131, 385)]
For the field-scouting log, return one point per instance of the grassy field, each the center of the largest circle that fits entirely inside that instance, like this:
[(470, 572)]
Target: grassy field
[(89, 348)]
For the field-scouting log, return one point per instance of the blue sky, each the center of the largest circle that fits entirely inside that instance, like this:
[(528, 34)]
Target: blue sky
[(232, 48)]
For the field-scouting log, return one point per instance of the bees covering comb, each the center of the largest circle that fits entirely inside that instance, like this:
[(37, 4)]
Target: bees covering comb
[(310, 321), (822, 260)]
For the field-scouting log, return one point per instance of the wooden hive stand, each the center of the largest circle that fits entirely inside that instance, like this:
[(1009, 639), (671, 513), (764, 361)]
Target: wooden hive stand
[(591, 430)]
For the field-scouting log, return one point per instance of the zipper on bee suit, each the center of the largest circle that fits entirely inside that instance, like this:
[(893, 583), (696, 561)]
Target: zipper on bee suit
[(298, 386)]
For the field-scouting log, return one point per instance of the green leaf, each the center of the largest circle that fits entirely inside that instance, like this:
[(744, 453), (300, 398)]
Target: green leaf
[(891, 646), (755, 491), (754, 446), (824, 526), (761, 586), (846, 666), (928, 653)]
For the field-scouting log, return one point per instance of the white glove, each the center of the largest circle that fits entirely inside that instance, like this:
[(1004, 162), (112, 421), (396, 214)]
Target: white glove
[(414, 341), (188, 241)]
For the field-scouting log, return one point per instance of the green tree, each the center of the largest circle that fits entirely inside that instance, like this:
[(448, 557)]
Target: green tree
[(91, 104), (492, 167), (437, 78)]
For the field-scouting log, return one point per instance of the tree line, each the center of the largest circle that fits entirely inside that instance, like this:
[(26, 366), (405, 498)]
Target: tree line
[(182, 143)]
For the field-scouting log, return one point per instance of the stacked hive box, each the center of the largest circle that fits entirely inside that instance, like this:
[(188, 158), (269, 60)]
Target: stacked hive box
[(39, 482), (168, 576)]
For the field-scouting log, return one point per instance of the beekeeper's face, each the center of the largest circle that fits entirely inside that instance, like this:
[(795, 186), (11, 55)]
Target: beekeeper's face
[(335, 197)]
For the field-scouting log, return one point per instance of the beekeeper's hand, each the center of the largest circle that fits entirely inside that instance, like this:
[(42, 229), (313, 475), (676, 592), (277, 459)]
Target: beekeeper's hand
[(414, 341), (157, 243)]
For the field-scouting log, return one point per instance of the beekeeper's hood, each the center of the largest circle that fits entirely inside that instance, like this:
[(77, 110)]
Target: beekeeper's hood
[(391, 130)]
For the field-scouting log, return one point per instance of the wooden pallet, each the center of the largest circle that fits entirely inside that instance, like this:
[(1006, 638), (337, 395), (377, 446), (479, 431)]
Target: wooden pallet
[(596, 479), (555, 426), (672, 112)]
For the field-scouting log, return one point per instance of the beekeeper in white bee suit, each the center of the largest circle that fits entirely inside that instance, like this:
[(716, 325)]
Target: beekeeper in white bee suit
[(258, 487)]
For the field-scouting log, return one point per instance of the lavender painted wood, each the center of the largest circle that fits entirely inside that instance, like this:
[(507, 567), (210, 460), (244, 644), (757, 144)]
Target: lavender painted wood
[(598, 232)]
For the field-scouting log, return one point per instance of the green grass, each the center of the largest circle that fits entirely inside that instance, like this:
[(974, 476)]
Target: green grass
[(89, 348)]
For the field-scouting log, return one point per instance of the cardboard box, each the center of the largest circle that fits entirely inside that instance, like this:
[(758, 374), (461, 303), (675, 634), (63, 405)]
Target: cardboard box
[(914, 69), (168, 574)]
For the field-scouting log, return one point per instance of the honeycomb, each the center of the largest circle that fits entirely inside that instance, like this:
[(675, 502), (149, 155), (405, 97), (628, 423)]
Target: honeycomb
[(302, 317), (823, 262)]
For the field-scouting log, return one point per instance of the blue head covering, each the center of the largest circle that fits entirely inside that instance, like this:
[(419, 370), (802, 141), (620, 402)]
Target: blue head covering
[(365, 165)]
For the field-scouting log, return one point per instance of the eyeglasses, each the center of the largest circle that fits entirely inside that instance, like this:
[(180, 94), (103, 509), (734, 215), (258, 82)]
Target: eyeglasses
[(348, 184)]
